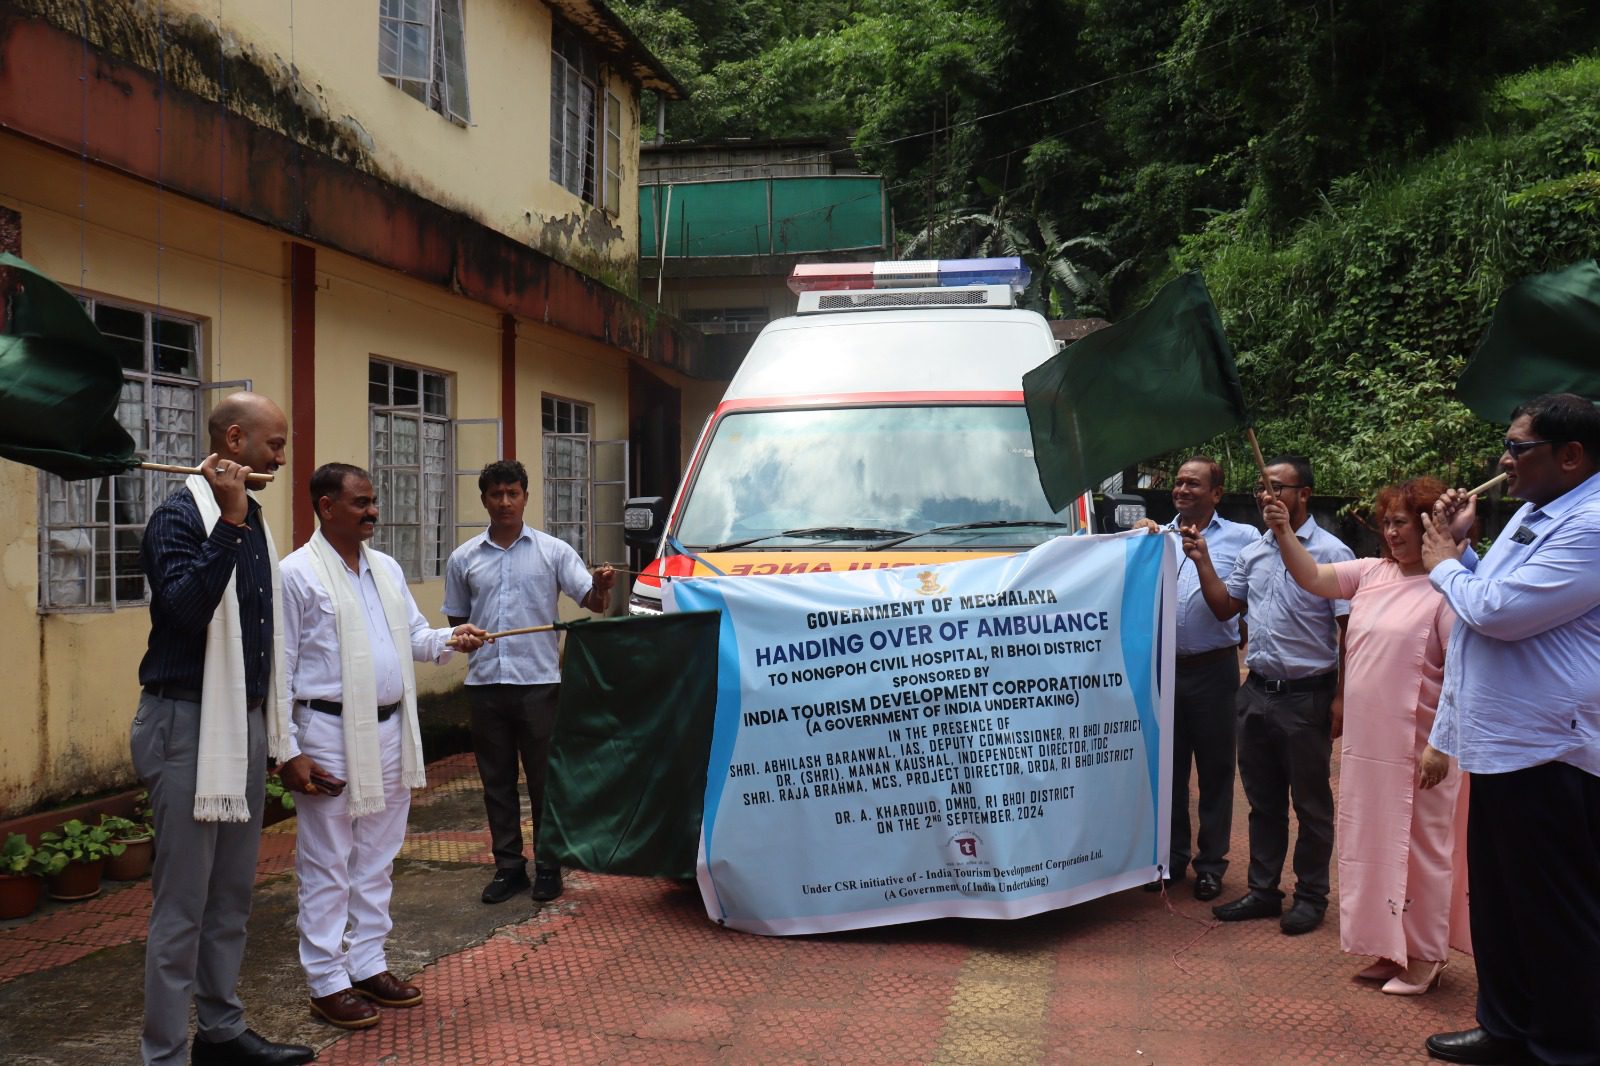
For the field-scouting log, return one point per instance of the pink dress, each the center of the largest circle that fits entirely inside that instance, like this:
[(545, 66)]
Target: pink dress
[(1402, 851)]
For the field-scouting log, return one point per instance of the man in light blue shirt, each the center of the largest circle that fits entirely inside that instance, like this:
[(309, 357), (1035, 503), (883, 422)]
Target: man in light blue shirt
[(1206, 681), (1520, 711), (509, 577), (1287, 707)]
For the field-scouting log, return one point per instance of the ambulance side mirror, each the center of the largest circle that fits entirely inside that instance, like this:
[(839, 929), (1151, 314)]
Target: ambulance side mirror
[(643, 518)]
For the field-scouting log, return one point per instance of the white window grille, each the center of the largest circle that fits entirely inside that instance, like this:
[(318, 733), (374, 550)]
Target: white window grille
[(579, 131), (422, 50), (90, 530), (566, 471), (412, 466), (726, 319)]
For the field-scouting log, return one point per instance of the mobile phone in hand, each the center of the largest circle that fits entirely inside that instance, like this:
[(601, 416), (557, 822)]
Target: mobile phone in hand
[(330, 786)]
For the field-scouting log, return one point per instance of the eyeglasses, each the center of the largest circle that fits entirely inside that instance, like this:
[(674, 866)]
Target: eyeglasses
[(1273, 489), (1518, 448)]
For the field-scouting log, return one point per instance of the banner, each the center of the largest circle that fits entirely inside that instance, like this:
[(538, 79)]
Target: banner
[(988, 738)]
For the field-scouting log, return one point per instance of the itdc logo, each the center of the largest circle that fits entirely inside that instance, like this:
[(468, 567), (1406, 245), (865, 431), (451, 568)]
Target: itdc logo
[(964, 848)]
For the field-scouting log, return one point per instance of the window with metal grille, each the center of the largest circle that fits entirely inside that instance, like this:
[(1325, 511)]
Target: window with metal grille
[(422, 50), (576, 100), (566, 471), (411, 433), (90, 531), (726, 319)]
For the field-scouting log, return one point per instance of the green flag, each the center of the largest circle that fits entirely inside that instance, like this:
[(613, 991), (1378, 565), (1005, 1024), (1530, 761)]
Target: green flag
[(627, 777), (1160, 379), (59, 384), (1544, 337)]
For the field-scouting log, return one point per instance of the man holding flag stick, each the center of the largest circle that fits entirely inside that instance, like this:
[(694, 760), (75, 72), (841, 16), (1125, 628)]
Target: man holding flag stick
[(509, 577)]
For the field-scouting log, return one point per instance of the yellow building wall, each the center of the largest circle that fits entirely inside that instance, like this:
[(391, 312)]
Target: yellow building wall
[(497, 169)]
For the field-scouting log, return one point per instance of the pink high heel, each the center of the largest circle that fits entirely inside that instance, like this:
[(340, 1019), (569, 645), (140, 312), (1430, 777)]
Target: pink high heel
[(1381, 970), (1399, 986)]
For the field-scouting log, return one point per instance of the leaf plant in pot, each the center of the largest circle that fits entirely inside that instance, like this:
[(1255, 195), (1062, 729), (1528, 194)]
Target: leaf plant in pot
[(86, 847), (21, 872), (138, 848)]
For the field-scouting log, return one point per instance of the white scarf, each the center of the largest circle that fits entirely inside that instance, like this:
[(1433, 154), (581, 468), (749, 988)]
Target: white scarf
[(358, 683), (222, 766)]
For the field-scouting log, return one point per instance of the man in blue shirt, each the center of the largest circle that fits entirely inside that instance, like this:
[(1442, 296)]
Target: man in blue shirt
[(1207, 680), (1520, 711), (1287, 708), (509, 577)]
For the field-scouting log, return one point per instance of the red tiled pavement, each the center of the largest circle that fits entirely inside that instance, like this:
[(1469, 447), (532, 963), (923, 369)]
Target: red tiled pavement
[(631, 971)]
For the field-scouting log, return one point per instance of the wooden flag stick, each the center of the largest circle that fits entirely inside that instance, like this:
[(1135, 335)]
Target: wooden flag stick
[(1255, 446), (1491, 483), (168, 468)]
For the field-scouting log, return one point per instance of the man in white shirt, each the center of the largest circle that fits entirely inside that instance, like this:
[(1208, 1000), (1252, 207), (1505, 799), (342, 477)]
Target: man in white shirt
[(1520, 711), (347, 618), (509, 577)]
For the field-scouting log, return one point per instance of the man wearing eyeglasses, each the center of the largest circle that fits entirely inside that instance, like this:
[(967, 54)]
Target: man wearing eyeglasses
[(1288, 706), (1520, 711)]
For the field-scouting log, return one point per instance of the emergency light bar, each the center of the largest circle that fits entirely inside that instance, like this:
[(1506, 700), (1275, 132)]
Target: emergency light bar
[(910, 274)]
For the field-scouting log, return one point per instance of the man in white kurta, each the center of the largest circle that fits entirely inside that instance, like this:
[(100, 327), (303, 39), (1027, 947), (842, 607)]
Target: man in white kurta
[(347, 611)]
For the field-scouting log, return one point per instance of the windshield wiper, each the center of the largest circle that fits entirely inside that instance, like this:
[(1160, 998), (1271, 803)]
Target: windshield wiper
[(962, 527), (831, 532)]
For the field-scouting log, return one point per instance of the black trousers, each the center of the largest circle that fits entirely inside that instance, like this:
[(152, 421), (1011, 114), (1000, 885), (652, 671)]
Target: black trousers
[(1533, 868), (511, 729), (1202, 732), (1284, 756)]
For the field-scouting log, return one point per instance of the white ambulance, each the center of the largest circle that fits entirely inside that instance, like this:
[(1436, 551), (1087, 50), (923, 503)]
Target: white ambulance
[(882, 425)]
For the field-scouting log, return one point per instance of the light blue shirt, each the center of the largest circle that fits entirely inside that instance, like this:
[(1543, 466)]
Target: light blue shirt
[(1293, 633), (1522, 674), (1198, 629), (512, 588)]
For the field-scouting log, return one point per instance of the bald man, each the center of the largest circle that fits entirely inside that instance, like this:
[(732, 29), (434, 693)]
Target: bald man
[(208, 717)]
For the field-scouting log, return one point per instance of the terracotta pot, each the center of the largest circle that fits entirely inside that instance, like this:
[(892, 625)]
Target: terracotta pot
[(19, 894), (79, 880), (135, 860)]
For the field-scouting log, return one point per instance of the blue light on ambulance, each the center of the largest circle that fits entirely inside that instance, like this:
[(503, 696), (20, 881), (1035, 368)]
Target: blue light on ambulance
[(910, 274)]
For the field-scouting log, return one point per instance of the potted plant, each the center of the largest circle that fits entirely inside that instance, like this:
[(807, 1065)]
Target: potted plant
[(138, 848), (86, 848), (21, 869)]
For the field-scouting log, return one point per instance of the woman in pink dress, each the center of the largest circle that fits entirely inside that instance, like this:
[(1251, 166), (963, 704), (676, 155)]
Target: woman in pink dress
[(1401, 826)]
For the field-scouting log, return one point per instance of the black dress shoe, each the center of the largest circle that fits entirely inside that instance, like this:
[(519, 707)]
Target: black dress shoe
[(1302, 918), (1207, 886), (546, 881), (1247, 907), (507, 883), (1476, 1046), (249, 1048)]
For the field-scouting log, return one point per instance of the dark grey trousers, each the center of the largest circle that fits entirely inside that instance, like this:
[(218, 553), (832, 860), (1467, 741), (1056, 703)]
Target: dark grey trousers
[(200, 886), (1203, 732), (511, 729), (1284, 755)]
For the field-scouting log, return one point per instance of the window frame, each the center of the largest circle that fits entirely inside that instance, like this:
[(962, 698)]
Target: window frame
[(427, 561), (102, 494), (444, 90), (552, 481), (585, 122)]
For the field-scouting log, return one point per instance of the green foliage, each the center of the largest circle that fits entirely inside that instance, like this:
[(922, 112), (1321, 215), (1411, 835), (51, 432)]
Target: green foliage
[(276, 791), (124, 829), (1351, 329), (18, 857), (79, 842)]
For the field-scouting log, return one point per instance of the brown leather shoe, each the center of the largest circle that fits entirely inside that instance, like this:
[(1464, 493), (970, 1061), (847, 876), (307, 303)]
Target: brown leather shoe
[(388, 990), (345, 1009)]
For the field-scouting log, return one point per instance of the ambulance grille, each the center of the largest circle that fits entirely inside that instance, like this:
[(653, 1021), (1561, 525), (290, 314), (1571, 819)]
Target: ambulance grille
[(848, 301)]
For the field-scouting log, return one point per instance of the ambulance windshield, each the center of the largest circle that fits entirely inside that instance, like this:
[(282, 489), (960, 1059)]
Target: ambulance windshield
[(894, 467)]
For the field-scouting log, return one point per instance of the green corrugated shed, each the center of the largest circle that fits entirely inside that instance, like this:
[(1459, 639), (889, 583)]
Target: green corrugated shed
[(763, 216)]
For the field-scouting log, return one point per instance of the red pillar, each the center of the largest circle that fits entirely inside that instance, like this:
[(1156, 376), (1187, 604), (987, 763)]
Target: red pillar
[(302, 384), (508, 385)]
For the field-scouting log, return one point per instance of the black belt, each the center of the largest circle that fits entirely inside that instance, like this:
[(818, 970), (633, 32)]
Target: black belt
[(1315, 683), (188, 695), (334, 708), (1207, 656)]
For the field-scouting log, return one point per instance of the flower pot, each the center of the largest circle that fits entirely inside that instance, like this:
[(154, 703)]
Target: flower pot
[(79, 880), (135, 860), (19, 894)]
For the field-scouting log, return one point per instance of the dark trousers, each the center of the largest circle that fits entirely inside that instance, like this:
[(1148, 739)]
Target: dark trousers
[(511, 727), (1202, 731), (1284, 753), (1533, 868)]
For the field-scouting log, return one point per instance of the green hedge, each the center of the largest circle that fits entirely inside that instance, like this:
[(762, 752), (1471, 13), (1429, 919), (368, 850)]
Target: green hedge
[(1351, 332)]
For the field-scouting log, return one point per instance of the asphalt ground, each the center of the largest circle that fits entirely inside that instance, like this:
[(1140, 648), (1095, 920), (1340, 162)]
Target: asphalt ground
[(630, 970)]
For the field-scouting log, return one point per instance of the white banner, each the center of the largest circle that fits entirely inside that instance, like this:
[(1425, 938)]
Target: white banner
[(989, 738)]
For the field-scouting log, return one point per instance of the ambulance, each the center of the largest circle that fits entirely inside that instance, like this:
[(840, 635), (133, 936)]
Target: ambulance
[(882, 425)]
